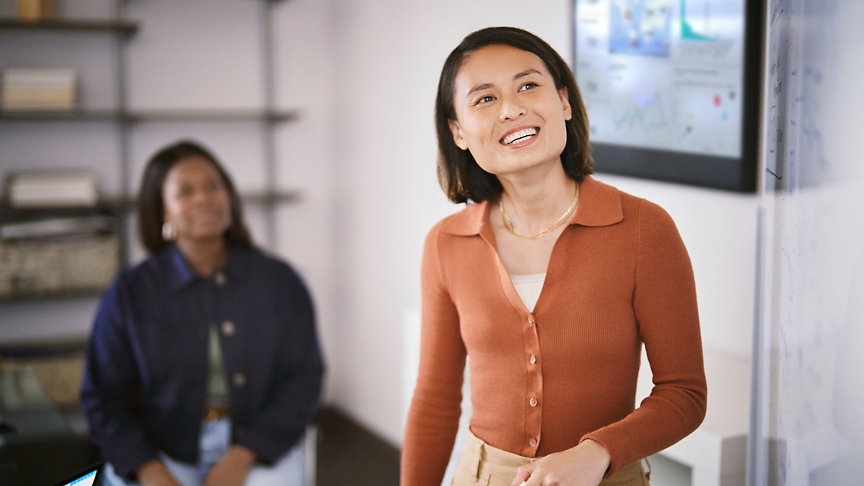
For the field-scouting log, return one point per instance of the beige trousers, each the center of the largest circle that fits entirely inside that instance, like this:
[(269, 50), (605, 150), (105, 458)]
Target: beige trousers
[(484, 465)]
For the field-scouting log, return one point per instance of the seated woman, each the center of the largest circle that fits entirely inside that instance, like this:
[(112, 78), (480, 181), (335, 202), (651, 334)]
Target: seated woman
[(203, 366)]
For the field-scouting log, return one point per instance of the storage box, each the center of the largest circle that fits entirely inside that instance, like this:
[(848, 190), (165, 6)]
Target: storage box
[(27, 89), (58, 266)]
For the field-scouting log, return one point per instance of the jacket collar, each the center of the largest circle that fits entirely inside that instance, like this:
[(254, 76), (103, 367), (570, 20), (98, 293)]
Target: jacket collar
[(599, 205), (180, 275)]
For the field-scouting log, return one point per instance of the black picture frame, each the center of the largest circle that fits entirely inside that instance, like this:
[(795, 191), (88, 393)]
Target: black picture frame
[(726, 173)]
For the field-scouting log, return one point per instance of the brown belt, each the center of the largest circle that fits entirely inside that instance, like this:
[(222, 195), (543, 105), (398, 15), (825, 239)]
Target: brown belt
[(216, 412)]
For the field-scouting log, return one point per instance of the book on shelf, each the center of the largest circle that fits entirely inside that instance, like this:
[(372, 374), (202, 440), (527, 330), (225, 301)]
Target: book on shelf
[(52, 189), (57, 227), (35, 10), (31, 89)]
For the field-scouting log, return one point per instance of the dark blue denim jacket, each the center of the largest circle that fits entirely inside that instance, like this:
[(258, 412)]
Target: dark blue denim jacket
[(145, 380)]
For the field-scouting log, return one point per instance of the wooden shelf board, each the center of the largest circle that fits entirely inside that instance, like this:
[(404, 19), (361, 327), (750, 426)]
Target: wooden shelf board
[(145, 116), (271, 197), (216, 115), (119, 205), (71, 25), (45, 347), (50, 296), (59, 115), (256, 197)]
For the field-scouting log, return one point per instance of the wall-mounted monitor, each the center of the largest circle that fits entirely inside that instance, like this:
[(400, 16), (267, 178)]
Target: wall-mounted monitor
[(672, 88)]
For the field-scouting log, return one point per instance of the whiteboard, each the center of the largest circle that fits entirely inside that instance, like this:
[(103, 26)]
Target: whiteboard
[(807, 420)]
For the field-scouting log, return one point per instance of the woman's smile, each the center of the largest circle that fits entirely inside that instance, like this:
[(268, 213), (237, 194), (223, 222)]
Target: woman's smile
[(209, 216), (519, 137)]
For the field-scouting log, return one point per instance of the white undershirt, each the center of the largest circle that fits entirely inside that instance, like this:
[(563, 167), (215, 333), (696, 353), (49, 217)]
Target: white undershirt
[(528, 287)]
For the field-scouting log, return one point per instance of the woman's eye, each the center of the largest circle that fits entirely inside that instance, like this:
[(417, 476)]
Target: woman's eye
[(528, 86), (485, 99)]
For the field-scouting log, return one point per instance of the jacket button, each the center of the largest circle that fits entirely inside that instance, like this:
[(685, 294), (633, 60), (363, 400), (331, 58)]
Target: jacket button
[(532, 442), (239, 379), (533, 402), (220, 279), (533, 359), (228, 328)]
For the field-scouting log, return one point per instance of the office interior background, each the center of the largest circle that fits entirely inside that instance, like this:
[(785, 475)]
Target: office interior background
[(358, 157)]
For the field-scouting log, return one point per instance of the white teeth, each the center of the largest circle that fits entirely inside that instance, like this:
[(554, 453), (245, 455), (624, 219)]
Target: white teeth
[(518, 135)]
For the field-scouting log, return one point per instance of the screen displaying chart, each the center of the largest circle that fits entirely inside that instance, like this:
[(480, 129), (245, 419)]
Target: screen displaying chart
[(663, 74)]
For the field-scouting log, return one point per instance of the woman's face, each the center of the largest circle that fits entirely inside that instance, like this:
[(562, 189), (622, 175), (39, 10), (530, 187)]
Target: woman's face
[(196, 200), (509, 113)]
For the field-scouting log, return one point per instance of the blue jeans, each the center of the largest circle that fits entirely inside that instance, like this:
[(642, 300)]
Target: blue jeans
[(288, 470)]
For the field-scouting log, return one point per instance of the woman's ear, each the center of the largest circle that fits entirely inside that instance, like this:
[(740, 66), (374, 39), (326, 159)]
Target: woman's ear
[(565, 102), (456, 130)]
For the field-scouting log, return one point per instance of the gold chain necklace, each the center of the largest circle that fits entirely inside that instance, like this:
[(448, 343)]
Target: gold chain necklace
[(509, 224)]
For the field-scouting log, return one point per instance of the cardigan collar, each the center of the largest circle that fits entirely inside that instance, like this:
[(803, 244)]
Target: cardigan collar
[(181, 275), (599, 205)]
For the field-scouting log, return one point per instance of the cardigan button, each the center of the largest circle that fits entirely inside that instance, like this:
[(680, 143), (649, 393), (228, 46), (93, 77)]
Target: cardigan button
[(533, 402), (533, 359), (228, 328), (532, 442), (239, 380)]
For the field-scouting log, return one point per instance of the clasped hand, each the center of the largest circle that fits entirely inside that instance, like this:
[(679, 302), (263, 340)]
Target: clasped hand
[(230, 470), (583, 465)]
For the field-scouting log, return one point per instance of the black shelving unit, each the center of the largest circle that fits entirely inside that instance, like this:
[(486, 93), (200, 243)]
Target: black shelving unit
[(126, 119)]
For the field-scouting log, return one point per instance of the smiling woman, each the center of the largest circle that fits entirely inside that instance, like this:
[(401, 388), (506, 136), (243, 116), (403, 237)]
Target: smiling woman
[(203, 366), (551, 282)]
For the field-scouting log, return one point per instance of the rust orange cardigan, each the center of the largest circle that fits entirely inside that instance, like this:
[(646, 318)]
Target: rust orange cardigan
[(542, 382)]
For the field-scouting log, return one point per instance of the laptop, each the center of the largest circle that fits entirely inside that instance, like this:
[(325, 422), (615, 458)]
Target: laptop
[(85, 477)]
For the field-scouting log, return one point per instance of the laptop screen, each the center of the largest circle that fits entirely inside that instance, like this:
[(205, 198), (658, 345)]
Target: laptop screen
[(86, 477)]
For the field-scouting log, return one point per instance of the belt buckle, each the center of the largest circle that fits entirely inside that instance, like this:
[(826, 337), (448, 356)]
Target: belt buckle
[(213, 413)]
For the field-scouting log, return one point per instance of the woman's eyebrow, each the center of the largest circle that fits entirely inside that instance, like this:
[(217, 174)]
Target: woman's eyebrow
[(479, 87), (526, 73), (521, 74)]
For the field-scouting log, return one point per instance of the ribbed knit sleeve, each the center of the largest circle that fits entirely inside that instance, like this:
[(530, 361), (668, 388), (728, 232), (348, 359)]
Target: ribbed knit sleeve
[(664, 302), (433, 418)]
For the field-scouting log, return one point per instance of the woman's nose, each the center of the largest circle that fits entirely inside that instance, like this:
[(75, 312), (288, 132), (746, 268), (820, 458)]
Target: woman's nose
[(511, 107), (202, 196)]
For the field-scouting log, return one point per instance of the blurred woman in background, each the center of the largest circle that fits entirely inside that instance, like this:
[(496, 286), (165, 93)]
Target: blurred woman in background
[(551, 282), (203, 366)]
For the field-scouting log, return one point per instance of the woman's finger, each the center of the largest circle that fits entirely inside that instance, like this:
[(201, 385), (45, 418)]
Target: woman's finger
[(522, 475), (535, 479)]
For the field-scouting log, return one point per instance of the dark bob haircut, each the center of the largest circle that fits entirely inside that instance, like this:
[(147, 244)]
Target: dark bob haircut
[(151, 207), (458, 173)]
